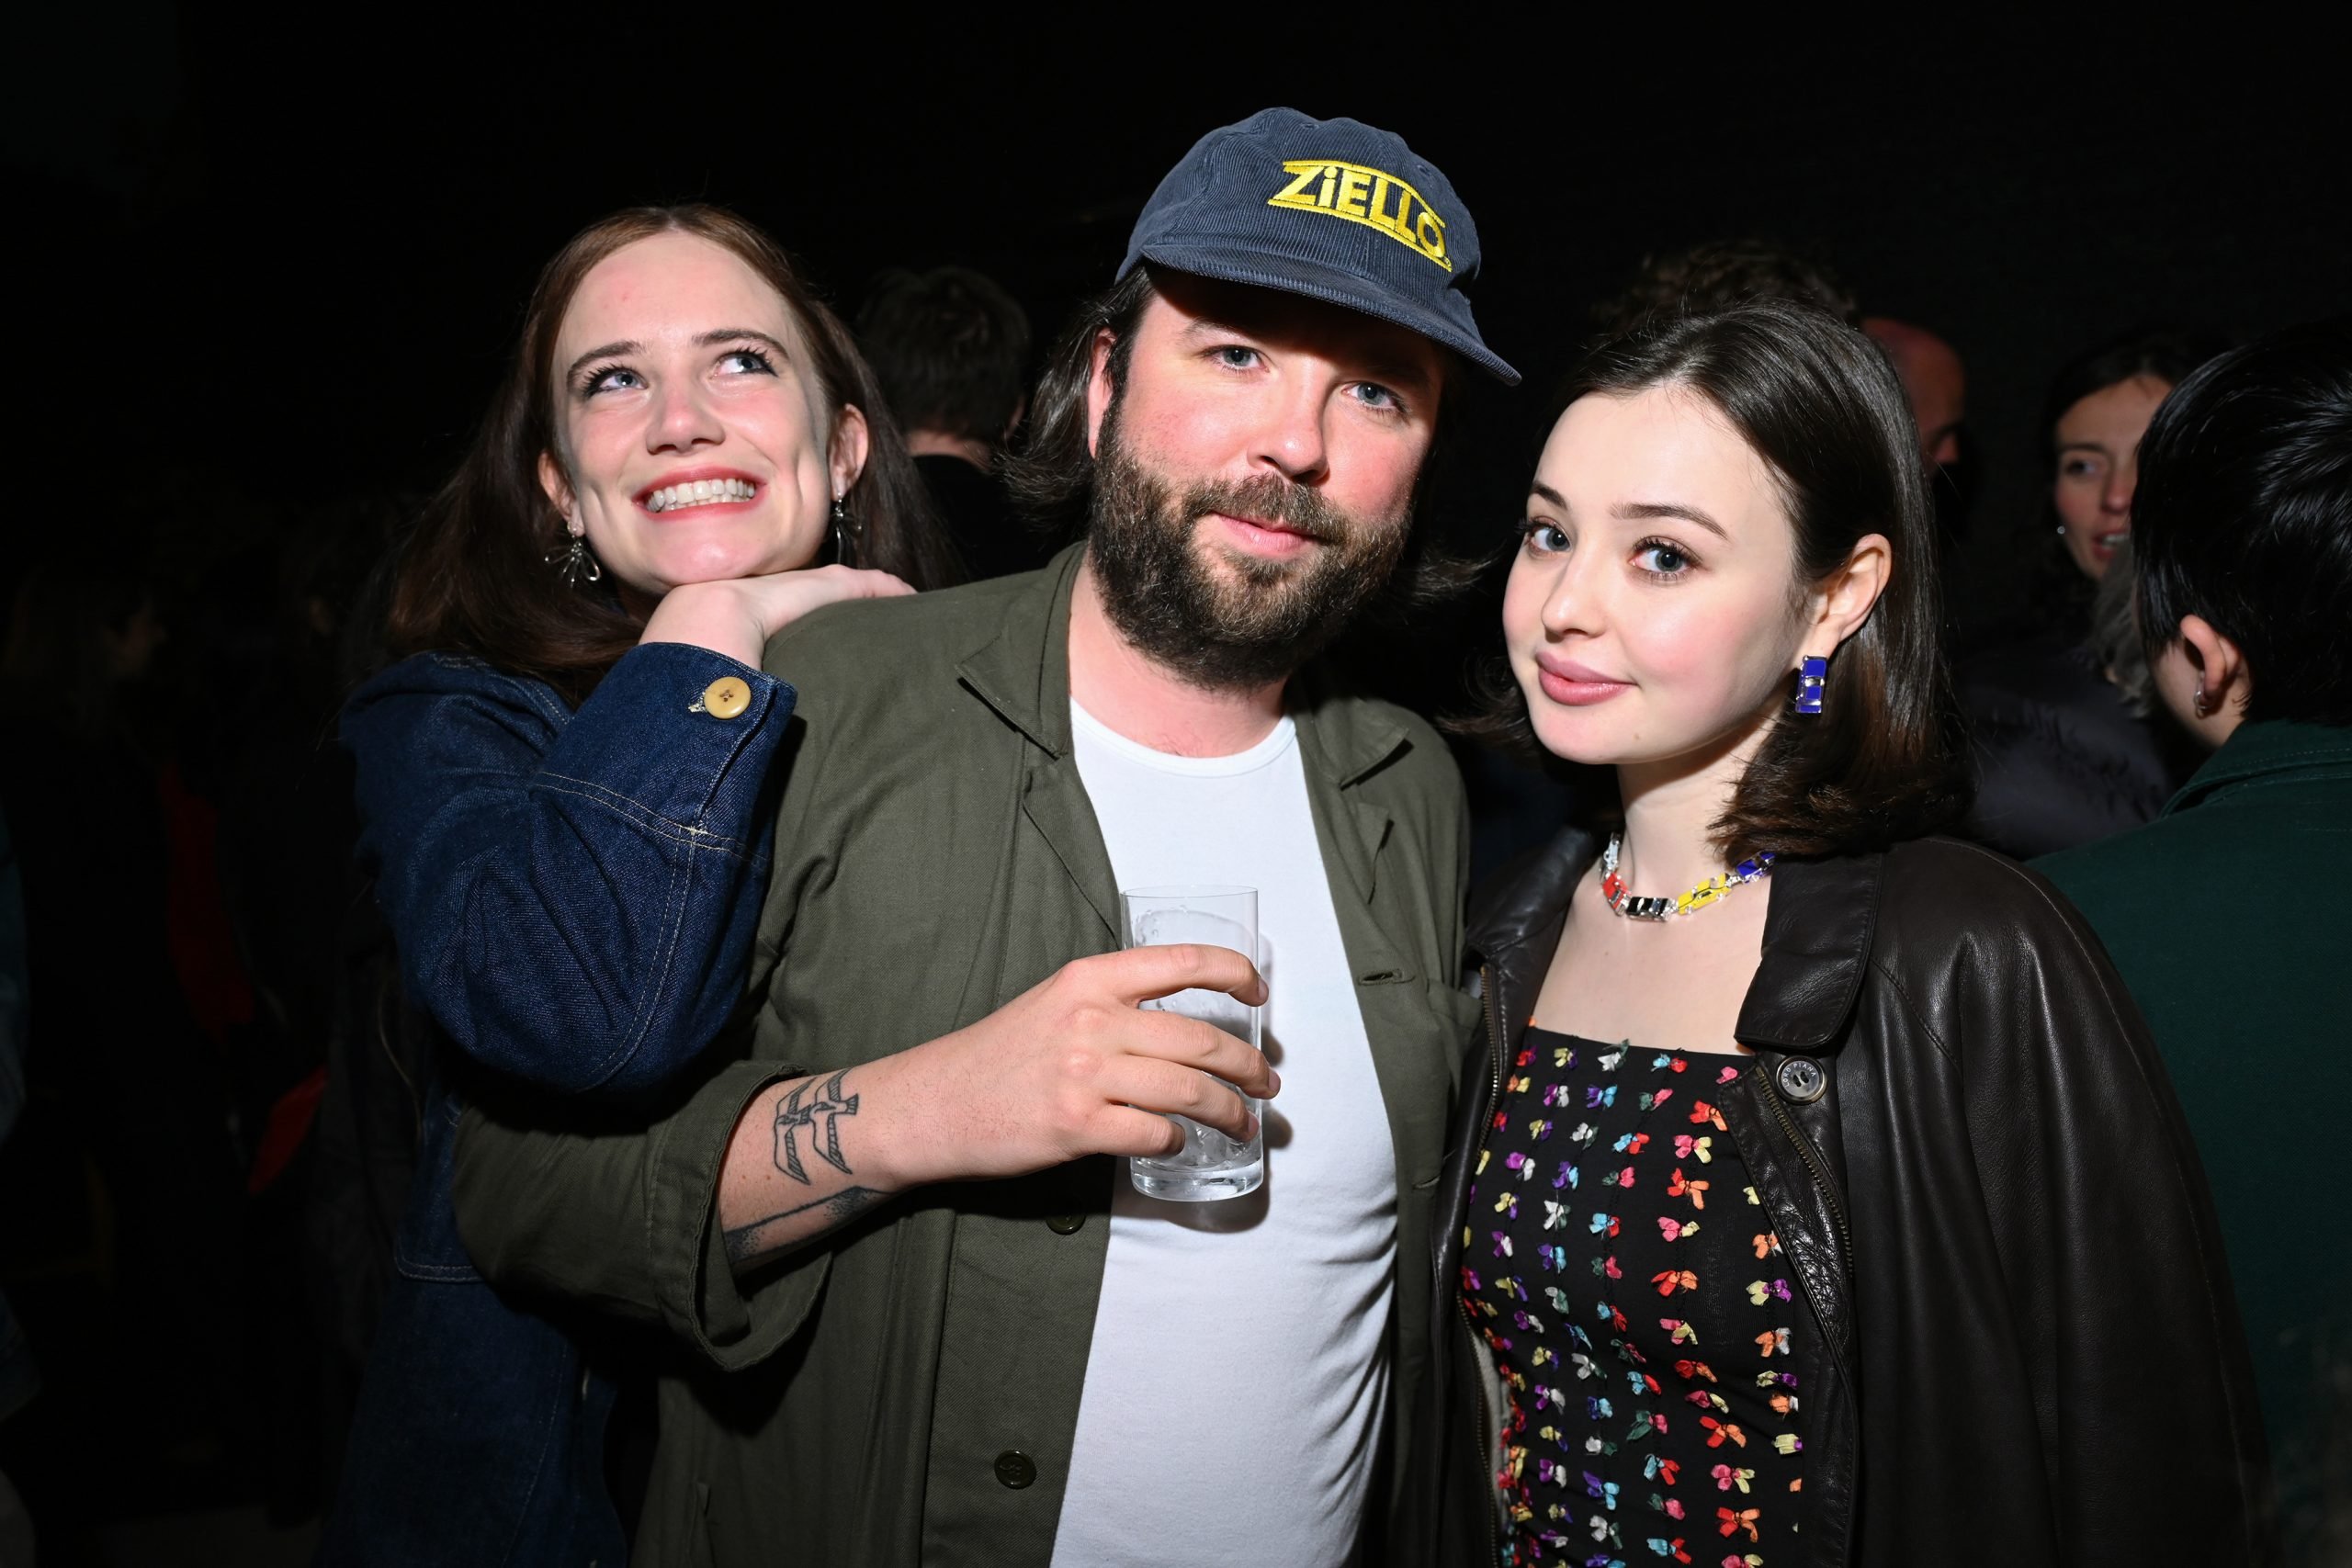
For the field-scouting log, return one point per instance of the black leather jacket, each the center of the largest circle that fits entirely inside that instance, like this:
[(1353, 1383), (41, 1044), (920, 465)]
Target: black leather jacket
[(2030, 1350)]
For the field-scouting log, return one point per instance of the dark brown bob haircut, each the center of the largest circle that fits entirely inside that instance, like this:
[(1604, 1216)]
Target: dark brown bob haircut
[(1052, 476), (1818, 402), (474, 576)]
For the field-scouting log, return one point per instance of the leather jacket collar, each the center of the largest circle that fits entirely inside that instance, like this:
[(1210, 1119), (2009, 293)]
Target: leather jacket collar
[(1816, 938)]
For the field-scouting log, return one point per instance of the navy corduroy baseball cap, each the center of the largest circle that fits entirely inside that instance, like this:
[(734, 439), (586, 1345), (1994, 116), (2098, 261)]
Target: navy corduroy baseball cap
[(1334, 210)]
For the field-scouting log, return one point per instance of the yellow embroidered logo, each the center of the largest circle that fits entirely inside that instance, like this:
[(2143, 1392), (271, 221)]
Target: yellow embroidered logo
[(1367, 197)]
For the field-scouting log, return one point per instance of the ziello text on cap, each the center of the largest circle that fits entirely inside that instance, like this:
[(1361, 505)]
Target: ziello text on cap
[(1365, 195)]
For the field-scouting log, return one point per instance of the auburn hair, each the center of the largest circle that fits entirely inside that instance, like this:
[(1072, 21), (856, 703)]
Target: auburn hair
[(474, 576)]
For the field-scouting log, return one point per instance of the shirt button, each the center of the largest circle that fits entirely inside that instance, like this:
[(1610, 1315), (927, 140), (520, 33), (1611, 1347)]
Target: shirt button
[(1065, 1224), (1015, 1468), (1802, 1080), (727, 696)]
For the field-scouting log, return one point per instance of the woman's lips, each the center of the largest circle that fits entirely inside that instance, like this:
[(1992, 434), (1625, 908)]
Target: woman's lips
[(1574, 685)]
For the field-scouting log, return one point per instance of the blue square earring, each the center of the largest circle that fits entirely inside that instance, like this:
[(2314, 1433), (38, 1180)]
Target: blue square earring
[(1811, 674)]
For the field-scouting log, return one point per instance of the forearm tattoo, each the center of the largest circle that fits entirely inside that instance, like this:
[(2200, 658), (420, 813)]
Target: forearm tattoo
[(749, 1243), (820, 1114)]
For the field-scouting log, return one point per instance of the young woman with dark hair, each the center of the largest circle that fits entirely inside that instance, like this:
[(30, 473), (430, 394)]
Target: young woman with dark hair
[(2060, 757), (2242, 531), (1819, 1198), (566, 793)]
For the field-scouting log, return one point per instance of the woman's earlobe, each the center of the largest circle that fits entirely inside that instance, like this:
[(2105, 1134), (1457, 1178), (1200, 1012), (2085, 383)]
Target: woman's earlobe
[(558, 490), (852, 443)]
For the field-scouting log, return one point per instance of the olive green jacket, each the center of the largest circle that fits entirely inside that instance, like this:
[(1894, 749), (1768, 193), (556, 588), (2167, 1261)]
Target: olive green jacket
[(905, 1390)]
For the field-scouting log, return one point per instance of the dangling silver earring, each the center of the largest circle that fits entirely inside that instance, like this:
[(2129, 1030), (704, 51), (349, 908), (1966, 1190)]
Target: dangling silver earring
[(2197, 703), (844, 535), (572, 561)]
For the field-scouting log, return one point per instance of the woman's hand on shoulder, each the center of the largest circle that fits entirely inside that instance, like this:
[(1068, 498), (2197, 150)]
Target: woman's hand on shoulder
[(737, 617)]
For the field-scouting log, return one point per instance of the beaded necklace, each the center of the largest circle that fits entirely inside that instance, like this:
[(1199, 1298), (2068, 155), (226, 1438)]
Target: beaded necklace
[(1623, 901)]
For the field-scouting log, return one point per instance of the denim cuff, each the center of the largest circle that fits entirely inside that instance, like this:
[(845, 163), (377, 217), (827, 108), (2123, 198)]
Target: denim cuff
[(656, 739)]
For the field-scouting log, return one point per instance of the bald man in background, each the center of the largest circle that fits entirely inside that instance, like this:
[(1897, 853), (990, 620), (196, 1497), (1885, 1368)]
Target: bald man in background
[(1935, 380)]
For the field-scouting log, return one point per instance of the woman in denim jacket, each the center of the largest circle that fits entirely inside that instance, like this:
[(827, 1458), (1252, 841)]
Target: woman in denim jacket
[(565, 787)]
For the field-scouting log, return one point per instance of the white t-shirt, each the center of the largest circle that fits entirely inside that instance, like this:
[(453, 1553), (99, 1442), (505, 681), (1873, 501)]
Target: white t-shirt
[(1238, 1371)]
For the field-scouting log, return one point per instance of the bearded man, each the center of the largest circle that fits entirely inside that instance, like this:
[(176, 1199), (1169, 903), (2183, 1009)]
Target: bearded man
[(918, 1313)]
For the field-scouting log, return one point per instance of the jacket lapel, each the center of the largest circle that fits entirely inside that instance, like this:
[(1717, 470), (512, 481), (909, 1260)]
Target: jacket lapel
[(1340, 743), (1817, 935), (1022, 674)]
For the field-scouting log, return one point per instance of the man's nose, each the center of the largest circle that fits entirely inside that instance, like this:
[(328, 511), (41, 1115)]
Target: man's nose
[(1292, 439), (678, 420)]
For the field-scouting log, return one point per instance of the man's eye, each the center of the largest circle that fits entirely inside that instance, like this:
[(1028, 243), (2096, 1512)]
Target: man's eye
[(1371, 394), (746, 362), (1237, 357)]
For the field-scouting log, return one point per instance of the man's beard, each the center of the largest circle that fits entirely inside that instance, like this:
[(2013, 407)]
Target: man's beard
[(1245, 630)]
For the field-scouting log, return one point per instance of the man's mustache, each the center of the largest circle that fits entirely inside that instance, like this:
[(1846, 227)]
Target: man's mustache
[(1272, 498)]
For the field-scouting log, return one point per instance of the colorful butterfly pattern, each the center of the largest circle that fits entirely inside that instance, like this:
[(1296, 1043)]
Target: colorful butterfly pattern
[(1642, 1473)]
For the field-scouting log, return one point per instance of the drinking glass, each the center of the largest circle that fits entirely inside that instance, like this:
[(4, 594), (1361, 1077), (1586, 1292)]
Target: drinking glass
[(1210, 1165)]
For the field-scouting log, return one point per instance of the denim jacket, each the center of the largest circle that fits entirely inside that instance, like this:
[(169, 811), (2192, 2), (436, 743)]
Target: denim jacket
[(573, 896)]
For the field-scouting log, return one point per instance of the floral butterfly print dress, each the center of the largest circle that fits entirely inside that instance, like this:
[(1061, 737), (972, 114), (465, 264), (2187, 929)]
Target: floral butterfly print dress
[(1641, 1313)]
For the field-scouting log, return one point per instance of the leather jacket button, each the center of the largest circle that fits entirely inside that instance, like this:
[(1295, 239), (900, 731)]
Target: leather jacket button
[(727, 696), (1015, 1468), (1065, 1224), (1802, 1080)]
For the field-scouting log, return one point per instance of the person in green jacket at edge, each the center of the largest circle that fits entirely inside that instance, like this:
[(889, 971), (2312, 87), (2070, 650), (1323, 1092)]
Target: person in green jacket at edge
[(917, 1315), (2226, 914)]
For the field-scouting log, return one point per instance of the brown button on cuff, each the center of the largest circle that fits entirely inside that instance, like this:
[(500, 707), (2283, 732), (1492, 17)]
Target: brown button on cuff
[(1015, 1468), (725, 697)]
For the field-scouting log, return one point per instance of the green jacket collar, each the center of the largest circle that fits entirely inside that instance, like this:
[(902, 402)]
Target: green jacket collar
[(2264, 751), (1023, 673)]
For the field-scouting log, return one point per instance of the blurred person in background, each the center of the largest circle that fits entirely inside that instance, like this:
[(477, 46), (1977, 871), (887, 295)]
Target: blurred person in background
[(2059, 758), (2224, 914), (1937, 383), (565, 790), (1715, 274), (1933, 379), (120, 1181), (950, 351)]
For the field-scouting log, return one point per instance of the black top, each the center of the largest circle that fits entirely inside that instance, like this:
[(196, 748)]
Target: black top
[(2058, 759), (1640, 1312)]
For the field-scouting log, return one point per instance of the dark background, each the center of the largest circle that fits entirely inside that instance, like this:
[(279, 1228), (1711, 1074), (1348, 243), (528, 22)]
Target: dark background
[(283, 263)]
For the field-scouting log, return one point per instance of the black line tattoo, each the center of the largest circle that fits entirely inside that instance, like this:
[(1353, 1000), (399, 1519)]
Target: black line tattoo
[(797, 1110), (743, 1243)]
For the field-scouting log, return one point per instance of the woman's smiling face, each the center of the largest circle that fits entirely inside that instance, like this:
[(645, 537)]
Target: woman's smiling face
[(2098, 468), (694, 441), (1653, 611)]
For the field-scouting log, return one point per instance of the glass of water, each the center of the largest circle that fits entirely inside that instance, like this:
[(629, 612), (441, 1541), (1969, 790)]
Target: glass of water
[(1210, 1165)]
